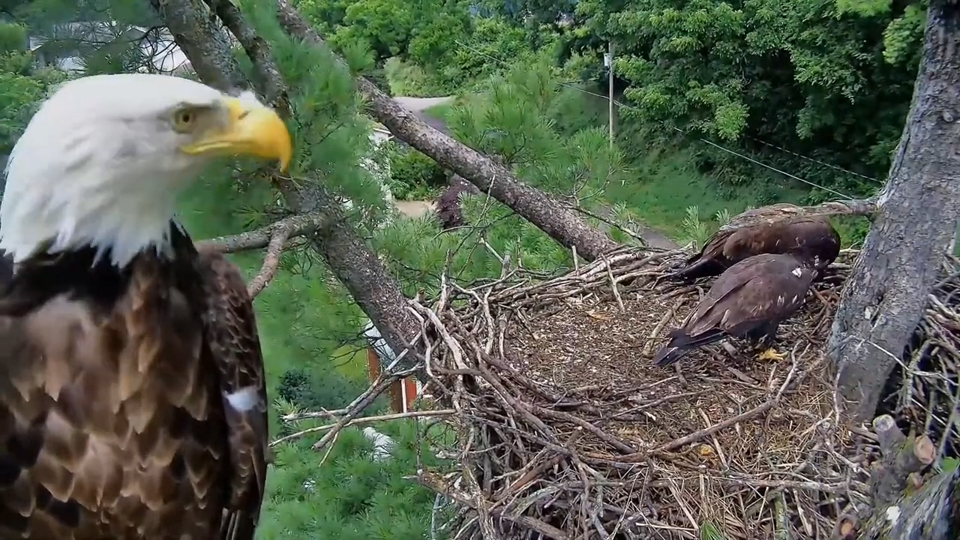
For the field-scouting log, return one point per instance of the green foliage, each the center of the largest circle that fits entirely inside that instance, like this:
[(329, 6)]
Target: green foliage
[(413, 176), (22, 86), (829, 80), (407, 79), (13, 37), (710, 531), (427, 48), (694, 229), (318, 389), (902, 36), (351, 496), (424, 32)]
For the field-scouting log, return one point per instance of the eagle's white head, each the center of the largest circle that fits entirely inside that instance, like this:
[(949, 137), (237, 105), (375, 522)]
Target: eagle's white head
[(102, 161)]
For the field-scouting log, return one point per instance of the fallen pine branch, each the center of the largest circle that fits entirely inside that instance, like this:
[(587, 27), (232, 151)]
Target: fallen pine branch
[(538, 207)]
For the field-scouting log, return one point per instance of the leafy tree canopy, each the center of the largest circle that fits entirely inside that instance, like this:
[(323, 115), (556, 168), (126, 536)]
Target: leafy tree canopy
[(827, 79)]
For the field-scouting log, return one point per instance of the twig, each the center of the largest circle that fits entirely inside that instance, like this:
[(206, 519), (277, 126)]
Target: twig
[(697, 435), (270, 262), (358, 421), (431, 481), (299, 225)]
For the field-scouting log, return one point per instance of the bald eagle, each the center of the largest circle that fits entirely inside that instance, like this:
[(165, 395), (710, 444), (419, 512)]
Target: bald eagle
[(448, 204), (812, 238), (750, 299), (132, 397)]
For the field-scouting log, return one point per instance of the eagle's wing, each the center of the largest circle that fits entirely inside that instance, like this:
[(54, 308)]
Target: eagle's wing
[(718, 306), (768, 294), (709, 261), (712, 248), (235, 347)]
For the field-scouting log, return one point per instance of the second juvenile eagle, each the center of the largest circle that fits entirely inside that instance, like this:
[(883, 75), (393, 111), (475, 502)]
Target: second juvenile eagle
[(132, 394), (811, 238), (750, 299)]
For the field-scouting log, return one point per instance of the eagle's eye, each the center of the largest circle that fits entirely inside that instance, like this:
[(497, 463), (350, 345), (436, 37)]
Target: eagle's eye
[(184, 119)]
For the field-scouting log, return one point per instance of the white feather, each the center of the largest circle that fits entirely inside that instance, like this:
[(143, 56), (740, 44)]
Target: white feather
[(244, 399), (99, 164)]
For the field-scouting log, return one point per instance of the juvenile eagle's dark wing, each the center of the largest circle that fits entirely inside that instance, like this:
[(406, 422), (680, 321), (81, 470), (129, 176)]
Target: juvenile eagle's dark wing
[(231, 331), (805, 237), (710, 261), (751, 294)]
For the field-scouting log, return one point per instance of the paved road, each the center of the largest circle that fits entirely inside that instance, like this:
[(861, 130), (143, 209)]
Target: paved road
[(655, 238), (420, 104)]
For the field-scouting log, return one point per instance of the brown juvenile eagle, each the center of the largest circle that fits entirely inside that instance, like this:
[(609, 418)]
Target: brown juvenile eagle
[(132, 397), (812, 238), (750, 299)]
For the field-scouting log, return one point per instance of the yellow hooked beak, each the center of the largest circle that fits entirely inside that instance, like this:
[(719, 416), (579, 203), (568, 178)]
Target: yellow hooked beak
[(253, 130)]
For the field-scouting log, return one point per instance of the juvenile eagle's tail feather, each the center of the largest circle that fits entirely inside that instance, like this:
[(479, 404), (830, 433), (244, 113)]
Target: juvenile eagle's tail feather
[(700, 268), (680, 344)]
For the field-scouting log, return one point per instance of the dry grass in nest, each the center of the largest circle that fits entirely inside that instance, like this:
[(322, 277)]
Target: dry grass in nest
[(567, 431)]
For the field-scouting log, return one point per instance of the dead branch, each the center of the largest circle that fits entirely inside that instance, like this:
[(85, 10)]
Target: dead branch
[(699, 434), (777, 212), (271, 262), (436, 484), (540, 208), (293, 226), (902, 456)]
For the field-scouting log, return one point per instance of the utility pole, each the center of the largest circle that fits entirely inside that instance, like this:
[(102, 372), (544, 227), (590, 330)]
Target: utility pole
[(609, 63)]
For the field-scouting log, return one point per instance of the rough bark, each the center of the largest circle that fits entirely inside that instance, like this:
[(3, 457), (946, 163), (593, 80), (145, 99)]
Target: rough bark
[(885, 296), (539, 208), (779, 211), (270, 82), (931, 512), (293, 226), (202, 40), (347, 256)]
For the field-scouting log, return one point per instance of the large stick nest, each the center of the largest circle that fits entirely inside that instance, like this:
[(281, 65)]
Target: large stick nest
[(566, 430)]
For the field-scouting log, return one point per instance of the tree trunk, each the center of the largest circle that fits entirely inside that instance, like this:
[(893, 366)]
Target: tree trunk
[(537, 207), (932, 512), (346, 254), (201, 39), (885, 297)]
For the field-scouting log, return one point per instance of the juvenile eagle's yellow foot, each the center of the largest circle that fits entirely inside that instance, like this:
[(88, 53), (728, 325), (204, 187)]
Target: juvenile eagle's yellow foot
[(771, 354)]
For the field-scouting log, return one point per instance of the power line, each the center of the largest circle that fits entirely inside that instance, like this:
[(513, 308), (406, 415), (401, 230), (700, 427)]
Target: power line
[(734, 152), (711, 143)]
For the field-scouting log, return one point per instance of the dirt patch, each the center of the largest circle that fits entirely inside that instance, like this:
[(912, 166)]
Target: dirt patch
[(415, 209)]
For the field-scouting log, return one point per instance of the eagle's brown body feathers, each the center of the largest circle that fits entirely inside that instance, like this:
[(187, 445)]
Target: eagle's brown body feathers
[(113, 416), (804, 237), (750, 299)]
